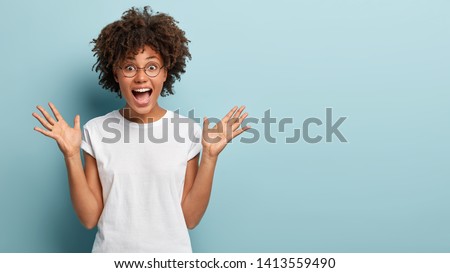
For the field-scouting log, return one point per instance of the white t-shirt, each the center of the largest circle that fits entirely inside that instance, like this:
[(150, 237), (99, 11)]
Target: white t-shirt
[(142, 169)]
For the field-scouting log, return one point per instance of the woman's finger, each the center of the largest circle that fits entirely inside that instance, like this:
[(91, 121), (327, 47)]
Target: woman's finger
[(42, 131), (235, 118), (205, 125), (239, 111), (239, 121), (76, 122), (46, 115), (229, 115), (240, 131), (55, 111), (44, 123)]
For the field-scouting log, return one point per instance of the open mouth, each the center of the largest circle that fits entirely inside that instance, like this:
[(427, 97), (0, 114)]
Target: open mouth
[(142, 95)]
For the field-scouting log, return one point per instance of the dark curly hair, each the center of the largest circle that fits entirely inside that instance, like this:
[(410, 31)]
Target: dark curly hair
[(136, 29)]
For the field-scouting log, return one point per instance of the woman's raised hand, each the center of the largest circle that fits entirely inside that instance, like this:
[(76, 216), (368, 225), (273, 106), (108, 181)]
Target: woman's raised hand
[(67, 138), (215, 139)]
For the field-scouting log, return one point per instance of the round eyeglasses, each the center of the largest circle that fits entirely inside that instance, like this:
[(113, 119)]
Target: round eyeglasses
[(151, 69)]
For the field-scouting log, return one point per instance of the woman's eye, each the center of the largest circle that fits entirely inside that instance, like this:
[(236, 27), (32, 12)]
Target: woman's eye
[(130, 68), (152, 67)]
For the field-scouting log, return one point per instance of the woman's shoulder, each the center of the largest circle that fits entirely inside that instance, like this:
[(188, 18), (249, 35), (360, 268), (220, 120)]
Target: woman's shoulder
[(99, 120), (178, 118)]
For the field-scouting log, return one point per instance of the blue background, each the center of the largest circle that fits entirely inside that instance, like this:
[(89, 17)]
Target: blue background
[(382, 64)]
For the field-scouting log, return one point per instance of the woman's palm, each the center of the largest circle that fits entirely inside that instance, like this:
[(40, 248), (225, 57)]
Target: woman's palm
[(68, 138)]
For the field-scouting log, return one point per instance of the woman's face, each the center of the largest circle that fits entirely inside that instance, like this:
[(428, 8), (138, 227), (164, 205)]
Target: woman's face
[(142, 91)]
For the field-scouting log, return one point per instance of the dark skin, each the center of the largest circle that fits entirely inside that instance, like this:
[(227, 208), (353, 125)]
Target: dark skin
[(129, 35), (147, 37), (85, 185)]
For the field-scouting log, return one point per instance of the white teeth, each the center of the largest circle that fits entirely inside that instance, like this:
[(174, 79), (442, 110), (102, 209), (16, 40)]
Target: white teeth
[(142, 90)]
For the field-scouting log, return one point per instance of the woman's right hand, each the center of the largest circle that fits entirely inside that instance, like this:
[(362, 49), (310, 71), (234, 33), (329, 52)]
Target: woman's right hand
[(68, 138)]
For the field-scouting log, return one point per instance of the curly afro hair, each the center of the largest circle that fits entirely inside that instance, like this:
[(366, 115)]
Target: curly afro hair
[(136, 29)]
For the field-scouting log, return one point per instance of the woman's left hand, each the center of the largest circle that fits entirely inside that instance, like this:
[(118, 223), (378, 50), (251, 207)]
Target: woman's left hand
[(215, 139)]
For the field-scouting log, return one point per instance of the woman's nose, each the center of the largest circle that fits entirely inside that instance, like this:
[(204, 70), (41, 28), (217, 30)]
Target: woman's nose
[(140, 76)]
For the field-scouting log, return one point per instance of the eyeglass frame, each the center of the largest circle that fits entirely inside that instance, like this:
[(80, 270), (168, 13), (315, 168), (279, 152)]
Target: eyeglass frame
[(139, 68)]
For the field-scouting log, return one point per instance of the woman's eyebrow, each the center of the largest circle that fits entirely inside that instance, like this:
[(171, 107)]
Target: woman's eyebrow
[(130, 58)]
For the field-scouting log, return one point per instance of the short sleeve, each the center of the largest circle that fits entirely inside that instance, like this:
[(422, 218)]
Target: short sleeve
[(86, 143), (196, 143)]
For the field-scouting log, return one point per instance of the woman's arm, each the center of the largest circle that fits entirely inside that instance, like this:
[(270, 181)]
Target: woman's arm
[(197, 189), (198, 179), (85, 187)]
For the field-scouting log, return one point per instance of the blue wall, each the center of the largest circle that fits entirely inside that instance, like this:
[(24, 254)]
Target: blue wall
[(384, 65)]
